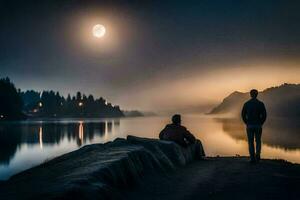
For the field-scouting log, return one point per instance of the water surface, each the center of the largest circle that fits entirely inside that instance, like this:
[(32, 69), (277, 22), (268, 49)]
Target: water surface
[(28, 143)]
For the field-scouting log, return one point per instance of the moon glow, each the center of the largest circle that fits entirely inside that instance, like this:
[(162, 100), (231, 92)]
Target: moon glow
[(99, 30)]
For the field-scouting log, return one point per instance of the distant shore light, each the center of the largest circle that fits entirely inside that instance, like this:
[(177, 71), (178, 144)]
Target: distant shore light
[(80, 104)]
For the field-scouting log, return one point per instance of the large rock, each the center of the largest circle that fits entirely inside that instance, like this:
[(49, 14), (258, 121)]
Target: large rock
[(98, 171)]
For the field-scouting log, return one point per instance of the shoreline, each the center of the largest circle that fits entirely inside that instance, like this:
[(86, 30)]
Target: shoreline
[(140, 168), (224, 178)]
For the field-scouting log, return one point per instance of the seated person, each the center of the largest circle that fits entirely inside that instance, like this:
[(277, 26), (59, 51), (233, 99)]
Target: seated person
[(177, 133)]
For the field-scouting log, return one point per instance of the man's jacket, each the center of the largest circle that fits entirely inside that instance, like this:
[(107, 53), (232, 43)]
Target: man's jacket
[(178, 134), (254, 113)]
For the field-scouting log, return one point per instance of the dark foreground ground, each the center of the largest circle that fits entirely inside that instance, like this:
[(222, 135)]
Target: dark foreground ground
[(224, 178), (141, 168)]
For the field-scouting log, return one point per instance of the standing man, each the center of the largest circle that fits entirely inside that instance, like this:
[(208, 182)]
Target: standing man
[(254, 115)]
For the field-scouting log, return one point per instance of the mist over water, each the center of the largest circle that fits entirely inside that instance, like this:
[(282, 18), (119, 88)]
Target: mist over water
[(29, 143)]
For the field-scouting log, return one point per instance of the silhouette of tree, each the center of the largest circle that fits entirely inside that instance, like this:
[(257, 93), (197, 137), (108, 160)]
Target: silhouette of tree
[(11, 101), (78, 96), (52, 104), (31, 99)]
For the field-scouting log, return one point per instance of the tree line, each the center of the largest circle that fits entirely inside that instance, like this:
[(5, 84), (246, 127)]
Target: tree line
[(52, 104), (11, 103)]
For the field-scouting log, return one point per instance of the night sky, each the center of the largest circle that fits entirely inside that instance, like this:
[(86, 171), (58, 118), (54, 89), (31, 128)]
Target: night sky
[(156, 55)]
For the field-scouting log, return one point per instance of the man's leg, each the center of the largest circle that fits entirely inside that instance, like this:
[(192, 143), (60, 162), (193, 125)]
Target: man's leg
[(258, 133), (199, 149), (250, 134)]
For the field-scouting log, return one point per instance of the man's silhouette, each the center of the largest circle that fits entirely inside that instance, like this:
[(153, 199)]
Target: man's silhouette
[(254, 115), (177, 133)]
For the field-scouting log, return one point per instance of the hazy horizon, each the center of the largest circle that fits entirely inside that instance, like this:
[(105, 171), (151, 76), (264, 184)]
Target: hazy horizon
[(198, 107)]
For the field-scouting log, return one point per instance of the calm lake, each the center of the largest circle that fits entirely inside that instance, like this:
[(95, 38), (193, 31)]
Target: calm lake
[(28, 143)]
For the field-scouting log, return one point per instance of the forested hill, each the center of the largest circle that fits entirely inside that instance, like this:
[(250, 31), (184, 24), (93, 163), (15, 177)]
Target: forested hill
[(52, 104), (281, 101), (16, 104)]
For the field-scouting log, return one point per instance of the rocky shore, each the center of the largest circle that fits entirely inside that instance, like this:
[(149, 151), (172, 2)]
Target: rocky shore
[(139, 168), (98, 170)]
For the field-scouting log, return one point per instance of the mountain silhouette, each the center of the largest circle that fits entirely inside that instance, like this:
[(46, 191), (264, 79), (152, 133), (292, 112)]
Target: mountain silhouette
[(281, 101)]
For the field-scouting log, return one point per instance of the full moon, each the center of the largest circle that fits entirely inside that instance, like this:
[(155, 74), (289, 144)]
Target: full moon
[(99, 30)]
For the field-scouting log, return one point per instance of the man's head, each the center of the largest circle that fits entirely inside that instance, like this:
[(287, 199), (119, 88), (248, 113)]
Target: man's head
[(176, 119), (253, 93)]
